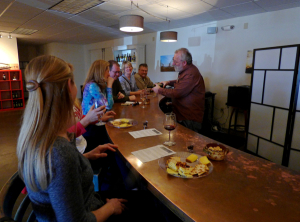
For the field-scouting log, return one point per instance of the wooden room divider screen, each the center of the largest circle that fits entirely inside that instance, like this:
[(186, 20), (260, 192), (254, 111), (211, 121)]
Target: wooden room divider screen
[(274, 122)]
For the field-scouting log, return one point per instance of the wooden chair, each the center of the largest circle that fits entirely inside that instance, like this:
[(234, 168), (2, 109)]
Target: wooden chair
[(10, 194)]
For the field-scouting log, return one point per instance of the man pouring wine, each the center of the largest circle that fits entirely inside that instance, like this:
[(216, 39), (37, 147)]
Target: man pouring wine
[(188, 92)]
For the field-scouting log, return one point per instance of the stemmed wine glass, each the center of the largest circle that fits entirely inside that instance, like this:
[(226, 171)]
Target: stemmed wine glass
[(170, 124), (97, 105), (143, 97)]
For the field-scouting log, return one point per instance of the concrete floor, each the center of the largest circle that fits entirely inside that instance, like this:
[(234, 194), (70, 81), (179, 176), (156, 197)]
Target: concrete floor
[(10, 122)]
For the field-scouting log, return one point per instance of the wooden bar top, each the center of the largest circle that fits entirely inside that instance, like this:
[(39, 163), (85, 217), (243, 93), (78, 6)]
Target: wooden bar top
[(242, 187)]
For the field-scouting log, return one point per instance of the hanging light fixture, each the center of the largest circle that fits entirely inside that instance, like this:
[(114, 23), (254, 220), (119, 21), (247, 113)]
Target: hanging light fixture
[(0, 35), (168, 36), (9, 36), (131, 23)]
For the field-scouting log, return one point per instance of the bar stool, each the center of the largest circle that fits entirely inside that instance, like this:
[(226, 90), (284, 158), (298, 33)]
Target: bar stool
[(236, 111)]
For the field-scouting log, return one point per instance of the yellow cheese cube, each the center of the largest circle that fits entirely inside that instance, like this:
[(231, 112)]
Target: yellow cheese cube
[(125, 120), (204, 160), (192, 158), (172, 172)]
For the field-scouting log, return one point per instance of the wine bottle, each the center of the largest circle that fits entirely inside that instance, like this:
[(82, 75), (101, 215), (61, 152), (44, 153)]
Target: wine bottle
[(129, 58), (13, 95), (118, 58), (133, 57)]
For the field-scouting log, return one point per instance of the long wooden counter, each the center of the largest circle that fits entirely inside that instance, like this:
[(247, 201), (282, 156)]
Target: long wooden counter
[(240, 188)]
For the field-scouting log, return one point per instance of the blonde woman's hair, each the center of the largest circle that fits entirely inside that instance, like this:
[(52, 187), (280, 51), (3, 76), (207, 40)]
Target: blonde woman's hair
[(123, 66), (48, 111), (96, 74)]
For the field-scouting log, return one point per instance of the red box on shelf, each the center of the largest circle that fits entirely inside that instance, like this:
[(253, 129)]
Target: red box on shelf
[(4, 85), (5, 95), (7, 104)]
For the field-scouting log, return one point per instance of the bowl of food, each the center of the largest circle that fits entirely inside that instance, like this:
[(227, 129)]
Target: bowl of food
[(215, 151)]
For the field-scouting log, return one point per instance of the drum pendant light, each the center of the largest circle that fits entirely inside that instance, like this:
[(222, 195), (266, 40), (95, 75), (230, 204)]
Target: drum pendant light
[(131, 23), (168, 36)]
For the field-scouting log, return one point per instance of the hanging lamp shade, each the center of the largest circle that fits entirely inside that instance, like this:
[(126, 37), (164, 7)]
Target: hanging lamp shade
[(131, 23), (168, 36)]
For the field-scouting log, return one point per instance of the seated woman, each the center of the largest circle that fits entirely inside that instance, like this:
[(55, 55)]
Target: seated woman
[(127, 80), (97, 87), (58, 178)]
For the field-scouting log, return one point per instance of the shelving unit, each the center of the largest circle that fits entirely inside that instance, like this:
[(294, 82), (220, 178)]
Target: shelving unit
[(137, 50), (11, 90)]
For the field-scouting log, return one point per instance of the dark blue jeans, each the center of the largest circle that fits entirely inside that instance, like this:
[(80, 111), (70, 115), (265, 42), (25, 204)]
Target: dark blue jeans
[(192, 125)]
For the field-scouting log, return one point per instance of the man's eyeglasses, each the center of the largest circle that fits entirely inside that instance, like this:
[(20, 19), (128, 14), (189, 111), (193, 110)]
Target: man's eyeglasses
[(174, 61), (116, 72)]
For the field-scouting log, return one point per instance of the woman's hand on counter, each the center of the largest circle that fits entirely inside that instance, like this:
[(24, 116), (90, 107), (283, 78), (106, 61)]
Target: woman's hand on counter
[(99, 151), (132, 98), (108, 115)]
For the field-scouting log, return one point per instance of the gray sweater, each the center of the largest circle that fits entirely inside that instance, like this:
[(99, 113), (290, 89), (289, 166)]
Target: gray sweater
[(70, 196)]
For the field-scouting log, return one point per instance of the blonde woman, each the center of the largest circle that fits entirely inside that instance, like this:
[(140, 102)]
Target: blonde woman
[(127, 80), (98, 86), (58, 178)]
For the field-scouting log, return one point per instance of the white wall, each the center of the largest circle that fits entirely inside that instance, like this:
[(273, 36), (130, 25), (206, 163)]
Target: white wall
[(221, 57), (70, 53), (8, 50)]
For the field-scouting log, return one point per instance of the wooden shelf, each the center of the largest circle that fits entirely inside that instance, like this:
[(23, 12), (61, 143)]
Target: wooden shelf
[(11, 90)]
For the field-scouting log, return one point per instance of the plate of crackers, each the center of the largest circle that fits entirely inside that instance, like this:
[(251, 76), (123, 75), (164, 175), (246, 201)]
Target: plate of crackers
[(186, 165), (123, 123)]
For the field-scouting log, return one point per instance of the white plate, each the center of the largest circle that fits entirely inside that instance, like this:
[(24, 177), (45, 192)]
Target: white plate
[(183, 155)]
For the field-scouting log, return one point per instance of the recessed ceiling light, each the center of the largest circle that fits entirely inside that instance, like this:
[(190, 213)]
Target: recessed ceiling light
[(74, 6)]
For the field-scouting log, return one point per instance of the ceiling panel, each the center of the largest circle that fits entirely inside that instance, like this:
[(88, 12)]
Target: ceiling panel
[(225, 3), (274, 3), (102, 22), (249, 6), (41, 4), (250, 12), (284, 6), (196, 8)]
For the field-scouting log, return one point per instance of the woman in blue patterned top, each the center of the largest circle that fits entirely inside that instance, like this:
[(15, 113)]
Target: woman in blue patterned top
[(98, 86), (127, 80)]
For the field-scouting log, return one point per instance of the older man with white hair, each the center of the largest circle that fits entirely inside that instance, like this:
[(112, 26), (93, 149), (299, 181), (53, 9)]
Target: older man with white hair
[(188, 92)]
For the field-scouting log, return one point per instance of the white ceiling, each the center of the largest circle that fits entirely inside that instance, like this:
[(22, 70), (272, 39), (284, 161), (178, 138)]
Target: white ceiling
[(101, 23)]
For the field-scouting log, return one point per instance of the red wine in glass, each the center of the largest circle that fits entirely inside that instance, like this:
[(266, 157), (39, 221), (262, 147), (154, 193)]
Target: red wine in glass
[(170, 124), (169, 127)]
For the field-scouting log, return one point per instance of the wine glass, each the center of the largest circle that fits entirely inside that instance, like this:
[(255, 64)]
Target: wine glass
[(97, 105), (170, 124), (143, 97)]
